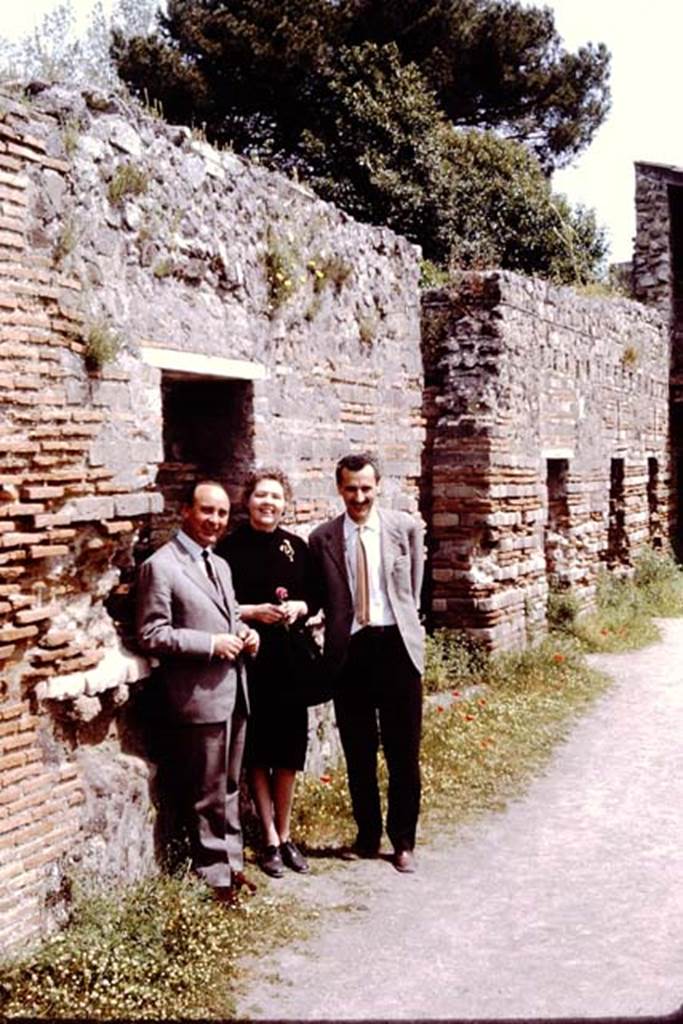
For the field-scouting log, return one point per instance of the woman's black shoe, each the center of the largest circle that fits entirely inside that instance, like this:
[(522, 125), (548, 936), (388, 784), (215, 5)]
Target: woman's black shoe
[(271, 862), (292, 857)]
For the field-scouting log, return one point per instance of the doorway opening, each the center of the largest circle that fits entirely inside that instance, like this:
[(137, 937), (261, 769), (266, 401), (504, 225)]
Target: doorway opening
[(208, 432), (617, 543), (557, 526)]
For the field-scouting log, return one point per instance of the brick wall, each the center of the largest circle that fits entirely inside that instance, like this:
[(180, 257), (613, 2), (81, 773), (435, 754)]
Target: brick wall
[(547, 451), (185, 266)]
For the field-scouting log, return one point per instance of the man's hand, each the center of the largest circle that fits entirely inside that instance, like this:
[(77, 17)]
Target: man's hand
[(227, 645), (267, 613), (250, 640), (294, 610)]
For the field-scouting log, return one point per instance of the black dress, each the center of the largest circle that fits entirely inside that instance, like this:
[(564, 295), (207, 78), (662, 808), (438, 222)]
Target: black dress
[(261, 563)]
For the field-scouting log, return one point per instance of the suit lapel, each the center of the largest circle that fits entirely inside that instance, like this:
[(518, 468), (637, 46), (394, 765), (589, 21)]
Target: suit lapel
[(388, 544), (194, 573), (334, 543)]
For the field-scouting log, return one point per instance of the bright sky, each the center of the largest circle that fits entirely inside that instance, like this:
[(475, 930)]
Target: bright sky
[(644, 40)]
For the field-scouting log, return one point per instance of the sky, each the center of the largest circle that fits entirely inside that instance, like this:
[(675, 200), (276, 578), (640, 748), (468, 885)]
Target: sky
[(644, 40)]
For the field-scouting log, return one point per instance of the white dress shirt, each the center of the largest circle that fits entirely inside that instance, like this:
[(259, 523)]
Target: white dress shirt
[(380, 609)]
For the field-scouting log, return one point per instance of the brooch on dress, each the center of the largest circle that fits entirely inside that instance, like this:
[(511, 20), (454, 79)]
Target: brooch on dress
[(287, 549)]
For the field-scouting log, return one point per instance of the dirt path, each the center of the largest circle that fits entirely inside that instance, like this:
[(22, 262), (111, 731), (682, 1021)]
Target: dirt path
[(569, 903)]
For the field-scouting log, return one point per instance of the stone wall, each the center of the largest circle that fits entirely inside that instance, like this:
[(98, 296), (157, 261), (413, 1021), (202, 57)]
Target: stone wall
[(658, 281), (254, 323), (546, 448)]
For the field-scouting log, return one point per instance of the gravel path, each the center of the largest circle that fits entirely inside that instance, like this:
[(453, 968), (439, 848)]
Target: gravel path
[(567, 904)]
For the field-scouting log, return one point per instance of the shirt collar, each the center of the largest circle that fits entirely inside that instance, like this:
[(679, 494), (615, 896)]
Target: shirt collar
[(371, 523), (191, 546)]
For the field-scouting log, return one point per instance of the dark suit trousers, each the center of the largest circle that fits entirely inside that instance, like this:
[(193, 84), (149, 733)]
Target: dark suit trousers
[(379, 699), (208, 759)]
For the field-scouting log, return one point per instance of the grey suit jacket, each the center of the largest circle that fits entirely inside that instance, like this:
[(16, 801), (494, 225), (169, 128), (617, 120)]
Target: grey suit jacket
[(401, 540), (178, 612)]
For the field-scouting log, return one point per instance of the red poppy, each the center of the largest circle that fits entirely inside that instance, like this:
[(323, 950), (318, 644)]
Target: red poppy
[(439, 707), (455, 693), (326, 778), (558, 658), (469, 718)]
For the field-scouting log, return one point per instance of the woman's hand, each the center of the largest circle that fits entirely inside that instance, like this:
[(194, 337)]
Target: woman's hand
[(266, 613), (294, 610)]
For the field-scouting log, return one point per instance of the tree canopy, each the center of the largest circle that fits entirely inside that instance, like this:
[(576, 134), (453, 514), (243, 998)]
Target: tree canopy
[(440, 118)]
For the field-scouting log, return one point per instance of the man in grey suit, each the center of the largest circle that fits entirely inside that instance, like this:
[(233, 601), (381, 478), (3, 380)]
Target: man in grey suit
[(188, 619), (370, 562)]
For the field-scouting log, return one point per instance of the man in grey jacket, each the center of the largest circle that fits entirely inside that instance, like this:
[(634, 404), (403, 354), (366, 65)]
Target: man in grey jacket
[(189, 620), (370, 562)]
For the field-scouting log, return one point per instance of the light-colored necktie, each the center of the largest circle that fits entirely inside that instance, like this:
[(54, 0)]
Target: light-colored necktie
[(362, 585)]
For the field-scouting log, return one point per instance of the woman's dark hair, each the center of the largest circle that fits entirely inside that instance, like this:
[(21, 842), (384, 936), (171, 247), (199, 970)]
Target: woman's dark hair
[(266, 473), (354, 464)]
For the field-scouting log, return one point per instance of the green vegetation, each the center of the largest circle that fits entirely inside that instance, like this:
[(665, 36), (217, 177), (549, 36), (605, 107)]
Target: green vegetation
[(127, 180), (439, 118), (102, 345), (625, 606), (159, 950), (283, 270)]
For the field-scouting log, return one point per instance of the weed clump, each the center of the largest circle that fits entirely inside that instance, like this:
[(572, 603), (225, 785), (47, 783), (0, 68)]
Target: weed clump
[(127, 180)]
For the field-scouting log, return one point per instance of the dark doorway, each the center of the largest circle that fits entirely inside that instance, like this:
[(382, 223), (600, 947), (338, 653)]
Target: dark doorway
[(557, 527), (208, 431), (654, 523), (617, 546)]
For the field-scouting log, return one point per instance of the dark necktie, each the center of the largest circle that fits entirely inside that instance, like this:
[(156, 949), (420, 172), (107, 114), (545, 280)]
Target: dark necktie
[(209, 568)]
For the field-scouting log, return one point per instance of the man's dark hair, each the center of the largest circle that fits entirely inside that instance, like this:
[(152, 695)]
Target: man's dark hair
[(354, 463), (189, 491)]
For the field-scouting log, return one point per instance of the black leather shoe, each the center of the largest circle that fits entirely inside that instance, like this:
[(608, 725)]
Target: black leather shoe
[(271, 862), (404, 861), (293, 858), (359, 851)]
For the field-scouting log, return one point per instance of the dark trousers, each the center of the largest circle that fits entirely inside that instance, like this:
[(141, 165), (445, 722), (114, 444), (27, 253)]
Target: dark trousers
[(208, 759), (379, 699)]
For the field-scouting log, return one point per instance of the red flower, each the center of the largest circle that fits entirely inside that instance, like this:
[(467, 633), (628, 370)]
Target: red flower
[(326, 778), (481, 702), (439, 707), (281, 593), (558, 658), (455, 693), (469, 718)]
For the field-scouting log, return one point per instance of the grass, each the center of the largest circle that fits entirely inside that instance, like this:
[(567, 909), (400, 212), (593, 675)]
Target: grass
[(163, 949), (625, 606)]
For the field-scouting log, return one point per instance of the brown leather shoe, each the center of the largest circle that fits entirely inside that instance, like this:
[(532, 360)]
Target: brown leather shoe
[(404, 861), (226, 895), (359, 852), (240, 881)]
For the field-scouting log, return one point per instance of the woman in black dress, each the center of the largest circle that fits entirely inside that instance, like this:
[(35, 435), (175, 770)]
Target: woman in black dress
[(273, 579)]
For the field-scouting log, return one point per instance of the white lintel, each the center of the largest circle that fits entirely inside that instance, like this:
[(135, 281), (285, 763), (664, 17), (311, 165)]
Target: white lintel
[(195, 364), (557, 453)]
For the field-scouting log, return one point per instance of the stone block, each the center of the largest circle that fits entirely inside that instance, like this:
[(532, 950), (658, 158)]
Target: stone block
[(89, 509)]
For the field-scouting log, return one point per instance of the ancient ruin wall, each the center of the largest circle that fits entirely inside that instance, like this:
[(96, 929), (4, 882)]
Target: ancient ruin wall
[(658, 281), (254, 323), (547, 419)]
